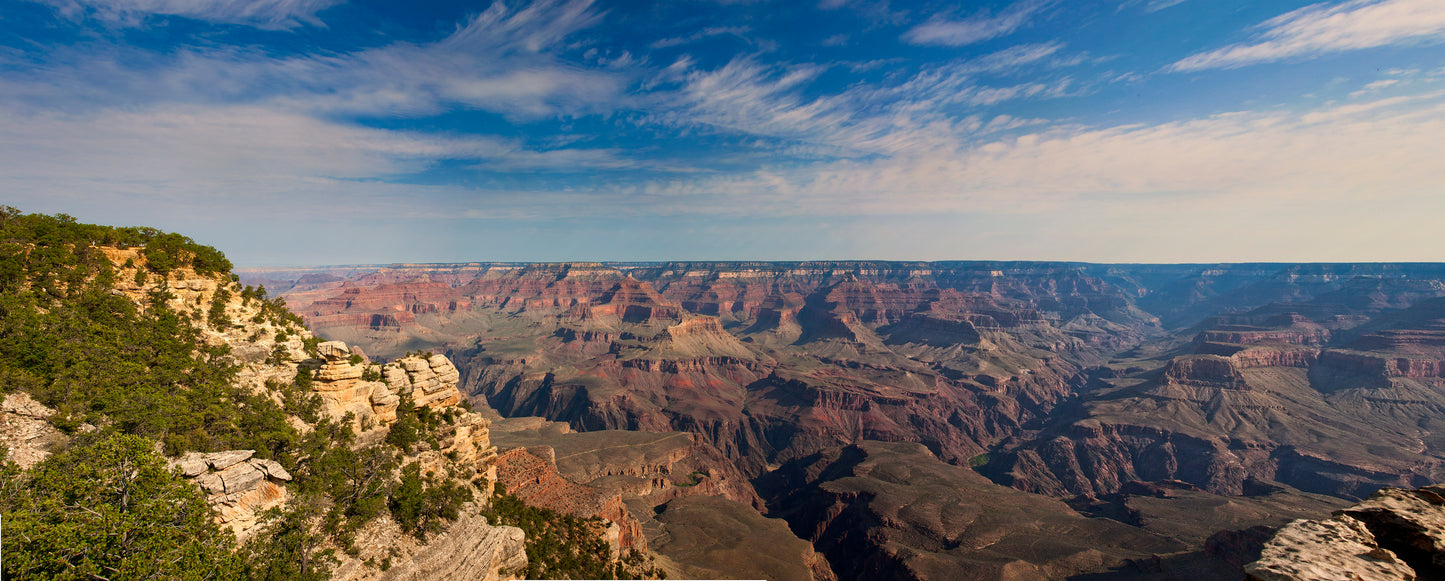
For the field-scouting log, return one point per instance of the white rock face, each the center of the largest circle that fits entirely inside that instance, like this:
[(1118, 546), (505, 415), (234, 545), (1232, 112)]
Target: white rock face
[(238, 485), (24, 431), (470, 549)]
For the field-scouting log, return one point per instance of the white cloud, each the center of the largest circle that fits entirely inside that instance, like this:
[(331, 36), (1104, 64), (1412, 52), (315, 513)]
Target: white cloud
[(503, 60), (1152, 5), (710, 31), (943, 31), (1384, 150), (237, 152), (921, 113), (272, 14), (1324, 28)]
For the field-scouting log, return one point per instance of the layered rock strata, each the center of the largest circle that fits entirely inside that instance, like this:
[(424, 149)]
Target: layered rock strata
[(238, 486), (881, 510)]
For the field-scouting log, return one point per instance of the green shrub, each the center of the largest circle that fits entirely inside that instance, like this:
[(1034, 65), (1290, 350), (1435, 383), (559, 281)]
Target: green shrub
[(420, 505), (110, 509), (406, 431)]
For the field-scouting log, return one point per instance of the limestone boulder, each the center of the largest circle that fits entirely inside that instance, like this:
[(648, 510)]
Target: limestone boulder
[(396, 377), (250, 352), (212, 483), (334, 350), (272, 469), (339, 371), (241, 477), (228, 458)]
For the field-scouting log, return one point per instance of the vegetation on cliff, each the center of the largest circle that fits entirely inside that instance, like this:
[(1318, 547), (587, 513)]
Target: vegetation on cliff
[(110, 509), (129, 379), (562, 546)]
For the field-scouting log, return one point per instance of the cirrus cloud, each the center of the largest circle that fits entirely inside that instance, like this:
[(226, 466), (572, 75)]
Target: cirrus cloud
[(269, 14), (1324, 28)]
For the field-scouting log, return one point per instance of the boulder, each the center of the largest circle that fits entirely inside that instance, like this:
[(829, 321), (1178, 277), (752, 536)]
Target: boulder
[(227, 459), (396, 377), (249, 352), (1395, 534), (334, 350), (212, 483), (1336, 549), (241, 477), (272, 469), (332, 372), (192, 467)]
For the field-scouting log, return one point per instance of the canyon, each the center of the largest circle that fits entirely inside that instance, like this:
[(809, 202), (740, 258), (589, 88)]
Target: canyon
[(1084, 397)]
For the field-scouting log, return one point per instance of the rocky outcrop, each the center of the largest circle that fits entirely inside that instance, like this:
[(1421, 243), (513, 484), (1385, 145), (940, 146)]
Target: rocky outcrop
[(270, 351), (649, 467), (239, 487), (1340, 549), (532, 477), (1396, 534), (1308, 337), (27, 436), (470, 549), (1381, 366), (1210, 370), (342, 382)]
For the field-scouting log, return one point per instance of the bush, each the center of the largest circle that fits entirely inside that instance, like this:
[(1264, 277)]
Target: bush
[(421, 504), (110, 509), (406, 431)]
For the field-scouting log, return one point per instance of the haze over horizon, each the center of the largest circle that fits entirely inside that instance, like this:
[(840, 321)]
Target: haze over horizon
[(305, 132)]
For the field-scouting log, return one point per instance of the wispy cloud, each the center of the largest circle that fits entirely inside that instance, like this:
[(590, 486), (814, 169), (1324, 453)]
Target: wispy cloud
[(272, 14), (1381, 150), (1152, 5), (255, 161), (710, 31), (1325, 28), (503, 60), (941, 30), (926, 111), (230, 143)]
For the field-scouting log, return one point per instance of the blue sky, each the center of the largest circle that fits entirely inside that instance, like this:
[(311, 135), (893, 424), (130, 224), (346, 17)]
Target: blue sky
[(295, 132)]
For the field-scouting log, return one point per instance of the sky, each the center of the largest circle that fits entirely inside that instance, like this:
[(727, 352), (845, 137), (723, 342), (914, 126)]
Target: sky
[(311, 132)]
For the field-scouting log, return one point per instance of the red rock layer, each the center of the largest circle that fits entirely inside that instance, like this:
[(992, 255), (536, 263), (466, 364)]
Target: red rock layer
[(534, 479)]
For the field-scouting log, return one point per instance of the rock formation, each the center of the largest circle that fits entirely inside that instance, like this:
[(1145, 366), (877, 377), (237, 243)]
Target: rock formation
[(239, 487), (27, 437), (881, 510), (272, 352), (1068, 380), (667, 493), (1396, 534)]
